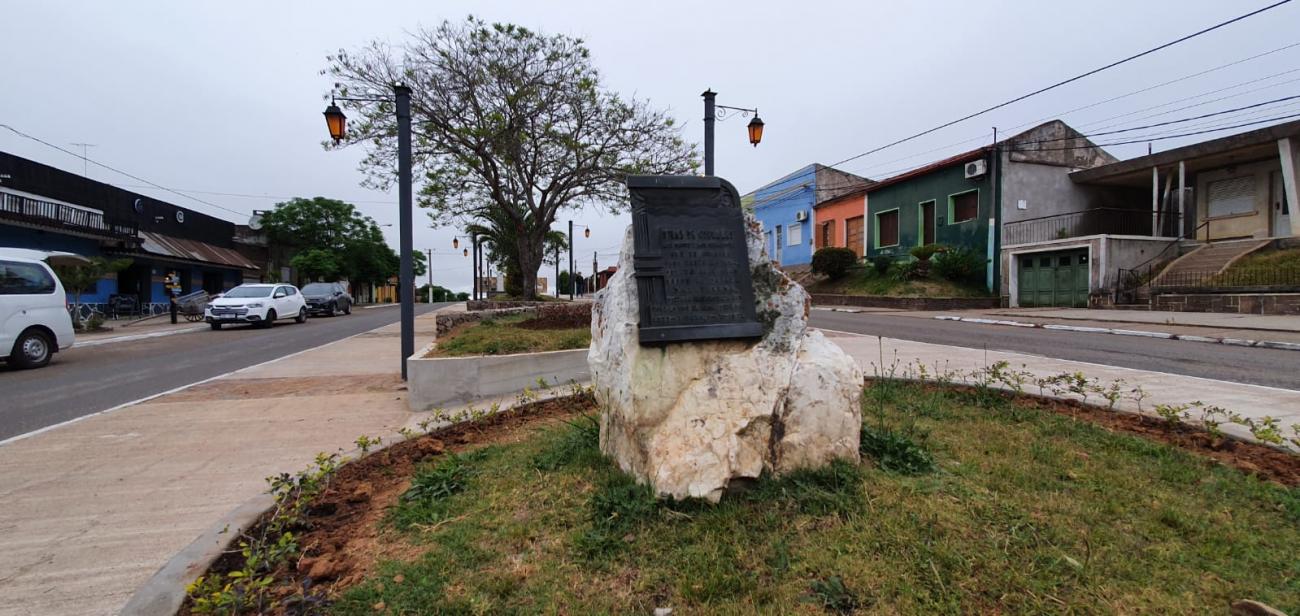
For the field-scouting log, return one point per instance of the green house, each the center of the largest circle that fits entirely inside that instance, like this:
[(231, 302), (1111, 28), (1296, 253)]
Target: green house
[(964, 200)]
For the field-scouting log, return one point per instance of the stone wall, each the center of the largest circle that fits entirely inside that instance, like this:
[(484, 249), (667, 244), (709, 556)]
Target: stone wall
[(906, 303), (1237, 303), (491, 304), (448, 321)]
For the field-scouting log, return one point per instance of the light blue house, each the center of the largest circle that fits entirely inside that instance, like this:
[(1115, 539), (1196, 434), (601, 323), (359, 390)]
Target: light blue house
[(785, 209)]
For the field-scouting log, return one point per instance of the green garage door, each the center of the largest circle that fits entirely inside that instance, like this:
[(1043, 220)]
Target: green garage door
[(1054, 279)]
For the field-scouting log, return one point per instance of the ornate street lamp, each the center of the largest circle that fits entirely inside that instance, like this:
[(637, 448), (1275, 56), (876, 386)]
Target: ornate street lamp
[(336, 122), (714, 112), (755, 129)]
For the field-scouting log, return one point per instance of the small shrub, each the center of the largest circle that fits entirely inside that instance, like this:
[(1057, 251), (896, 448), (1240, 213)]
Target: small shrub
[(881, 264), (895, 452), (911, 270), (923, 253), (961, 265), (833, 261)]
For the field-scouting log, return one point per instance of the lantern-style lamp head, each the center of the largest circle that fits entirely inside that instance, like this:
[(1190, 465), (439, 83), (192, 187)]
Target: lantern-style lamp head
[(455, 242), (586, 232), (465, 253), (336, 121), (755, 130)]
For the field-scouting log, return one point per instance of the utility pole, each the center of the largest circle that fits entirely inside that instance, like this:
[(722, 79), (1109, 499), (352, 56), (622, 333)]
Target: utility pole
[(556, 291), (406, 276), (709, 96), (84, 167), (594, 272), (428, 265), (572, 283)]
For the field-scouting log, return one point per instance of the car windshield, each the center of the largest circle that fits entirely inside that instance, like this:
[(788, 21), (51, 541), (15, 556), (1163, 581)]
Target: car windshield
[(318, 288), (249, 292)]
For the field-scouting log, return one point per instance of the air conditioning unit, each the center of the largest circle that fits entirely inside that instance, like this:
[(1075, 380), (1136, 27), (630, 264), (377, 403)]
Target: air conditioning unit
[(976, 168), (801, 215)]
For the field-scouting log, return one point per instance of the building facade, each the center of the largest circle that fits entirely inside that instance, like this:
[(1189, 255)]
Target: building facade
[(841, 222), (785, 209), (45, 208)]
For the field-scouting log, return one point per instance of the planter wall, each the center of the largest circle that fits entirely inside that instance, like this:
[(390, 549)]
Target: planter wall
[(907, 303), (452, 381)]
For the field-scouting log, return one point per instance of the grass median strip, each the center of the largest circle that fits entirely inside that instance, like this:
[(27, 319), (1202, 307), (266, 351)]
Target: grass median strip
[(508, 335)]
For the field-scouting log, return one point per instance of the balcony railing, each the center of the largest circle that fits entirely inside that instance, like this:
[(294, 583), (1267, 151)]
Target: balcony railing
[(45, 213), (1114, 221)]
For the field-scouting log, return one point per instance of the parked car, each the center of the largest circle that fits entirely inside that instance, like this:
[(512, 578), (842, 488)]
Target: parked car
[(327, 298), (34, 319), (259, 304)]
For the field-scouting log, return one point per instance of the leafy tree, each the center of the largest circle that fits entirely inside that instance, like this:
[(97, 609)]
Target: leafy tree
[(316, 264), (332, 230), (511, 127), (77, 278), (462, 296)]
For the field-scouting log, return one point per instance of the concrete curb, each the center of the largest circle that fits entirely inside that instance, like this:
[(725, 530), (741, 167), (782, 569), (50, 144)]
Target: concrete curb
[(165, 592), (131, 337), (1264, 344)]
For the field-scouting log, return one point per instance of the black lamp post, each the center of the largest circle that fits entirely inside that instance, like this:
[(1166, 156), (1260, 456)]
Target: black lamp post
[(714, 112), (337, 124), (586, 232)]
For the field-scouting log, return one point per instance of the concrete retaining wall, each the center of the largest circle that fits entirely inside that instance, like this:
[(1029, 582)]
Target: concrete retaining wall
[(1236, 303), (906, 303), (448, 381)]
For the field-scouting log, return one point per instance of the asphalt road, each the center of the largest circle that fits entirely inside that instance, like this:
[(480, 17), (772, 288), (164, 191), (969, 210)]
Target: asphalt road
[(1271, 367), (86, 380)]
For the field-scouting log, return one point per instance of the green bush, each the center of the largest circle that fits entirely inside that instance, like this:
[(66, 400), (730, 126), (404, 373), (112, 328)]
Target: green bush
[(962, 265), (923, 253), (882, 263), (833, 261), (912, 270)]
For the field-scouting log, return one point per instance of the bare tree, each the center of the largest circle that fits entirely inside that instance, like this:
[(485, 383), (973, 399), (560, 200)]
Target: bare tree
[(510, 126)]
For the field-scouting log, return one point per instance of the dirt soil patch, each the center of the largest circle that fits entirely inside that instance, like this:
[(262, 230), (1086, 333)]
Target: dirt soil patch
[(347, 537), (558, 320), (283, 387), (1251, 458)]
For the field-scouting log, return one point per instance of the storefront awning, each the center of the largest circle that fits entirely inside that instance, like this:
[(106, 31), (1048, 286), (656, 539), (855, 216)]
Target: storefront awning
[(193, 250)]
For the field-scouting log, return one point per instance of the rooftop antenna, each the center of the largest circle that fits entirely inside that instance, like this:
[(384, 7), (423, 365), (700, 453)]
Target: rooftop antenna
[(84, 166)]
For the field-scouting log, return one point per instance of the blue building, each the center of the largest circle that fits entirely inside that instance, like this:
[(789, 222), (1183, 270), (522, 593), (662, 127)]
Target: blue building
[(785, 209), (45, 208)]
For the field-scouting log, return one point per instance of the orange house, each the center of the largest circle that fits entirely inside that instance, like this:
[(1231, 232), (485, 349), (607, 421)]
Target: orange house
[(841, 221)]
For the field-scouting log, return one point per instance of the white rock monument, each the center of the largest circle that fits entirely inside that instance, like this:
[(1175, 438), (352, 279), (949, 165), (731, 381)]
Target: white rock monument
[(695, 418)]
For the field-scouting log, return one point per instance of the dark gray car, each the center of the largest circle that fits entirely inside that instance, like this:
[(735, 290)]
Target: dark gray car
[(327, 298)]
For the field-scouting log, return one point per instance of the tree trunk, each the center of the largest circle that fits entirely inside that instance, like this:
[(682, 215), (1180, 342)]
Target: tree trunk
[(530, 260)]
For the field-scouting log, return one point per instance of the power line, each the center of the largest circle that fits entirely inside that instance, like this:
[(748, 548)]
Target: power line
[(119, 171), (1159, 124), (1161, 138), (1066, 81), (273, 197)]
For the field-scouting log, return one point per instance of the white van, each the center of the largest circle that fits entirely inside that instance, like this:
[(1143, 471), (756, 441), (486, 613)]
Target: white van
[(34, 320)]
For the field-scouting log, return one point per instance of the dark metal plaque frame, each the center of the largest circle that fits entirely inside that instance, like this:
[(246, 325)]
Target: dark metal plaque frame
[(691, 260)]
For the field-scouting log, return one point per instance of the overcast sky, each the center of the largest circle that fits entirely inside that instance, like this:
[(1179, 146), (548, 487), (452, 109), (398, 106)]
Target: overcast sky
[(226, 97)]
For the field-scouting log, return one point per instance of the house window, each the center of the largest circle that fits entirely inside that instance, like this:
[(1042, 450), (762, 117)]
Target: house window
[(887, 229), (963, 207), (795, 233), (827, 234), (1231, 196)]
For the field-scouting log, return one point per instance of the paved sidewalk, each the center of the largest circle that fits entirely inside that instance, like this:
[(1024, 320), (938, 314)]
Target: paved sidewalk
[(89, 511), (878, 356)]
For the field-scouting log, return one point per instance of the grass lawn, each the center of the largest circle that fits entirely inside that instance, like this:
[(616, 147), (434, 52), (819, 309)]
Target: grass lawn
[(963, 503), (865, 281), (507, 335), (1265, 267)]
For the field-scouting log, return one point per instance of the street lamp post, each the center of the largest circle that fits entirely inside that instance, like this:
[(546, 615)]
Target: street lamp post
[(714, 112), (336, 121), (586, 232)]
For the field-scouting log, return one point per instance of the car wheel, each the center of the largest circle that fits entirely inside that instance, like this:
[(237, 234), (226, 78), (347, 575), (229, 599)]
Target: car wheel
[(347, 308), (32, 350), (270, 319), (302, 316), (334, 309), (215, 325)]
